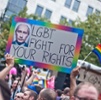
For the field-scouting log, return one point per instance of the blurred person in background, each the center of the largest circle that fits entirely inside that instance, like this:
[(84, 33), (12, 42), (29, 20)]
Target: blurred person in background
[(82, 91), (30, 95), (47, 94), (19, 96), (59, 93), (5, 93), (65, 95)]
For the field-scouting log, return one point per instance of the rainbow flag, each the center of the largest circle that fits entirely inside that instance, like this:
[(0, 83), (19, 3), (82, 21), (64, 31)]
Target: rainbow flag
[(45, 84), (49, 83), (97, 51), (36, 80)]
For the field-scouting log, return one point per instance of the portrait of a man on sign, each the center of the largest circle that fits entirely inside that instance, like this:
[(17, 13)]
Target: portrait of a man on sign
[(21, 35)]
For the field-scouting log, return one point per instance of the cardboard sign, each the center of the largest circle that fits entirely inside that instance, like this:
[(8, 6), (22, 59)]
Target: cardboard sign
[(44, 45), (91, 76)]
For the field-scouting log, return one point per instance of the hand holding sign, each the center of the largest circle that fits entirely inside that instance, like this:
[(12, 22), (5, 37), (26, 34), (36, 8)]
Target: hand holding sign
[(9, 60)]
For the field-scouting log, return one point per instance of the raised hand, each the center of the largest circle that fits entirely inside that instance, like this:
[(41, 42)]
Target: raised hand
[(9, 60), (75, 72)]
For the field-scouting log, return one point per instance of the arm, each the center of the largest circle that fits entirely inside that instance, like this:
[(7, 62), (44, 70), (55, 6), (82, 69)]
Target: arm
[(24, 82), (30, 80), (73, 85), (10, 81), (9, 65)]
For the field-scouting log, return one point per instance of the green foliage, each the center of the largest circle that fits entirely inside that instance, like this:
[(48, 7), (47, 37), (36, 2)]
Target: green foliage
[(92, 37), (3, 42), (64, 22)]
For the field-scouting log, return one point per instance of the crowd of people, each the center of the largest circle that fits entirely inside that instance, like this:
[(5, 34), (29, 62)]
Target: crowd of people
[(16, 85)]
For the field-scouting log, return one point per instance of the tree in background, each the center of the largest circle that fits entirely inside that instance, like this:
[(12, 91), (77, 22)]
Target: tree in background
[(91, 38)]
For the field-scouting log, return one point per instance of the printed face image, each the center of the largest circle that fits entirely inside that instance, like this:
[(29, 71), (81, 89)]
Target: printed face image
[(22, 33)]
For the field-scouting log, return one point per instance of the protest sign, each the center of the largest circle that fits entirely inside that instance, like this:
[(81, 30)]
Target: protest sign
[(44, 45), (91, 76)]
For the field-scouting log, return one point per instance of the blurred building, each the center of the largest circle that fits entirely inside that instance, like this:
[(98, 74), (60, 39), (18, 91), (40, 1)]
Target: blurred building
[(14, 7), (54, 10), (3, 5)]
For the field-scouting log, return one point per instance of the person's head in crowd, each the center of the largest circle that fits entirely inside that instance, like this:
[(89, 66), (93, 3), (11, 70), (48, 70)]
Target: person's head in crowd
[(14, 84), (38, 71), (30, 95), (18, 78), (59, 92), (36, 88), (85, 91), (19, 70), (19, 96), (4, 91), (47, 94), (65, 95), (66, 91), (22, 32), (13, 71)]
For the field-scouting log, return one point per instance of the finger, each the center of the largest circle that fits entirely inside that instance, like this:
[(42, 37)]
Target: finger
[(78, 68), (6, 54)]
